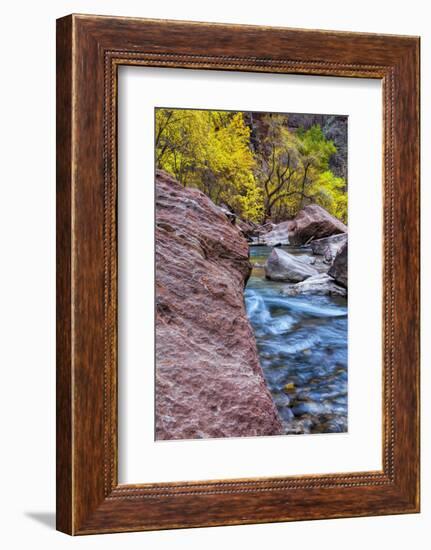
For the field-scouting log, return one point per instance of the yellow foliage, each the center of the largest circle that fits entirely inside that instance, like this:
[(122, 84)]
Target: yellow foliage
[(211, 150)]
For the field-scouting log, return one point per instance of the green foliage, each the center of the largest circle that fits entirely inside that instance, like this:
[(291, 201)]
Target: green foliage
[(330, 192), (273, 178), (293, 169)]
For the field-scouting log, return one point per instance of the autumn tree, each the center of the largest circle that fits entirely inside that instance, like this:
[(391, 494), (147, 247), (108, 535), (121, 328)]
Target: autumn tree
[(210, 150), (277, 162), (268, 176), (293, 170)]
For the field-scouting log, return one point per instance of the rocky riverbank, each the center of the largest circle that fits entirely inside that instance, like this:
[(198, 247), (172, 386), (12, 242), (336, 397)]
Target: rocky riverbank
[(212, 380), (301, 334), (324, 270), (296, 300), (209, 382)]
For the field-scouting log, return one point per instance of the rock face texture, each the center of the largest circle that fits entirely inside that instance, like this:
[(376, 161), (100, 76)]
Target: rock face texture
[(338, 269), (209, 382), (320, 285), (313, 222), (250, 230), (282, 266), (277, 236), (328, 246)]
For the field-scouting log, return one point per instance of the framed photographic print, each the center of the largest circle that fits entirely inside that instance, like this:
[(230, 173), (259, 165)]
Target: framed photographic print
[(237, 274)]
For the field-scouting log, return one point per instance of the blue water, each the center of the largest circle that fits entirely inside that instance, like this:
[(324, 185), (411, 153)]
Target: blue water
[(302, 343)]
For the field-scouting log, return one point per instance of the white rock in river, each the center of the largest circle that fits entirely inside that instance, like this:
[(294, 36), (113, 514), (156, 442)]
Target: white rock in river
[(321, 285), (282, 266), (328, 246), (279, 235)]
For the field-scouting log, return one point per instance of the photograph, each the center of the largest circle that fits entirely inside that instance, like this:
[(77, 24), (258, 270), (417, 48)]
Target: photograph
[(213, 316), (251, 273)]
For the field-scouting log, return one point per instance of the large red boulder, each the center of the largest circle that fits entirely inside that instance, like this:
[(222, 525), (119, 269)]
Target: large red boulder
[(314, 222), (311, 223), (209, 382)]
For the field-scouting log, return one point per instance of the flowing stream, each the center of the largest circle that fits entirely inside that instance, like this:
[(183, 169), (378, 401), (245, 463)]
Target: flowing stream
[(302, 343)]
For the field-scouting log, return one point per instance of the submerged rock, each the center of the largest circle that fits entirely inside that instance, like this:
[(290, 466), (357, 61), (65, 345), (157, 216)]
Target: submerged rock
[(282, 266), (209, 382), (322, 285), (339, 267)]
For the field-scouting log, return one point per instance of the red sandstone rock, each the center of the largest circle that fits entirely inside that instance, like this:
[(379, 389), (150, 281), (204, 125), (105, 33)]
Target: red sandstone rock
[(208, 379), (314, 222), (311, 223)]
